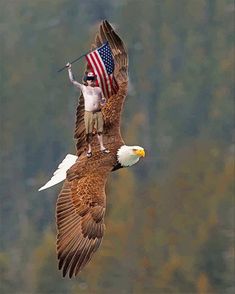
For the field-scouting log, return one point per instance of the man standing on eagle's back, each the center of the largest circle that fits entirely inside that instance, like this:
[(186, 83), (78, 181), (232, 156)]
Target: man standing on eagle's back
[(94, 99)]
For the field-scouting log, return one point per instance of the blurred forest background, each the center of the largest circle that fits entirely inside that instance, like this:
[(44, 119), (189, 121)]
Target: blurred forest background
[(169, 222)]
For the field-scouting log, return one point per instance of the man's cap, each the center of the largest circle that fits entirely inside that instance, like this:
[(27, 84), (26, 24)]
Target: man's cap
[(90, 76)]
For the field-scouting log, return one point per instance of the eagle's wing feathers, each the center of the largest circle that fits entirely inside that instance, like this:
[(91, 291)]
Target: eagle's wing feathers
[(80, 222), (113, 108), (79, 133), (119, 51)]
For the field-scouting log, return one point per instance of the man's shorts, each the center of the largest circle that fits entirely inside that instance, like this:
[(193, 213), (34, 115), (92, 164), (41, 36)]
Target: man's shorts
[(93, 119)]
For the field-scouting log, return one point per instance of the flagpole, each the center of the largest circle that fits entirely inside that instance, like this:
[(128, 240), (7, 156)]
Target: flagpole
[(75, 60)]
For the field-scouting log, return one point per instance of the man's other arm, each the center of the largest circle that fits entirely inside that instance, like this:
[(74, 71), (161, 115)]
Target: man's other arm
[(102, 98)]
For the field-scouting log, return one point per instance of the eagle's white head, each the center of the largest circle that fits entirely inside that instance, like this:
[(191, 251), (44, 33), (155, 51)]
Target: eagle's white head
[(129, 155)]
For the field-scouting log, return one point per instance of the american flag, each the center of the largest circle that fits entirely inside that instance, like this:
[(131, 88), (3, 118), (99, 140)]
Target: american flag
[(102, 65)]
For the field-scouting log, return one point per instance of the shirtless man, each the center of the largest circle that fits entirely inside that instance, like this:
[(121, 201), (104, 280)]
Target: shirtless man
[(94, 99)]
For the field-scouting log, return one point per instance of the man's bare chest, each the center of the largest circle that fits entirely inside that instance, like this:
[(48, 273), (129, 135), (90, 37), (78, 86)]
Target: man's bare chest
[(91, 91)]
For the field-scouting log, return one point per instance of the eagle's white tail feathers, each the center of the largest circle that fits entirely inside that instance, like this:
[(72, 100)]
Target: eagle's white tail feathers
[(60, 174)]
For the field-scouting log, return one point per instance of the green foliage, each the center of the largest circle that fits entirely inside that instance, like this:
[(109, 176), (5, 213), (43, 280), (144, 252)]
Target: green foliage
[(169, 219)]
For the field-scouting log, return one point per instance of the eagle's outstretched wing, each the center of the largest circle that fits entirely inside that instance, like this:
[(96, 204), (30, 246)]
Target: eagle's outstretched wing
[(80, 221), (113, 108)]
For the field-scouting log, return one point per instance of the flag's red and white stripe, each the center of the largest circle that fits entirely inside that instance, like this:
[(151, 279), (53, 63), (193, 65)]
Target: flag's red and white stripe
[(105, 81)]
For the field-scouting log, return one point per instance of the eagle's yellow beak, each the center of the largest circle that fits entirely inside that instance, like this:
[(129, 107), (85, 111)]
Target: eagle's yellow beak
[(140, 152)]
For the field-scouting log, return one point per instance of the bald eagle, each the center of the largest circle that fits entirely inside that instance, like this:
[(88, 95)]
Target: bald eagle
[(81, 204)]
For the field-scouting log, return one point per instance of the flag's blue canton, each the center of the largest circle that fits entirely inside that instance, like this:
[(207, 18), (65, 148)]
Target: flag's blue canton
[(106, 56)]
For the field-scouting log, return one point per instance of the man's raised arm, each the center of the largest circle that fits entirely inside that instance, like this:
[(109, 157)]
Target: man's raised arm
[(71, 77)]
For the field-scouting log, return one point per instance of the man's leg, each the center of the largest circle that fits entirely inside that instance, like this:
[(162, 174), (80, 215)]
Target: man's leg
[(89, 139), (89, 148), (88, 118), (100, 139), (99, 126)]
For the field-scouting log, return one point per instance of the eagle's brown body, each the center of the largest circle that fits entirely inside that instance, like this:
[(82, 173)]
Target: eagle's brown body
[(81, 202)]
